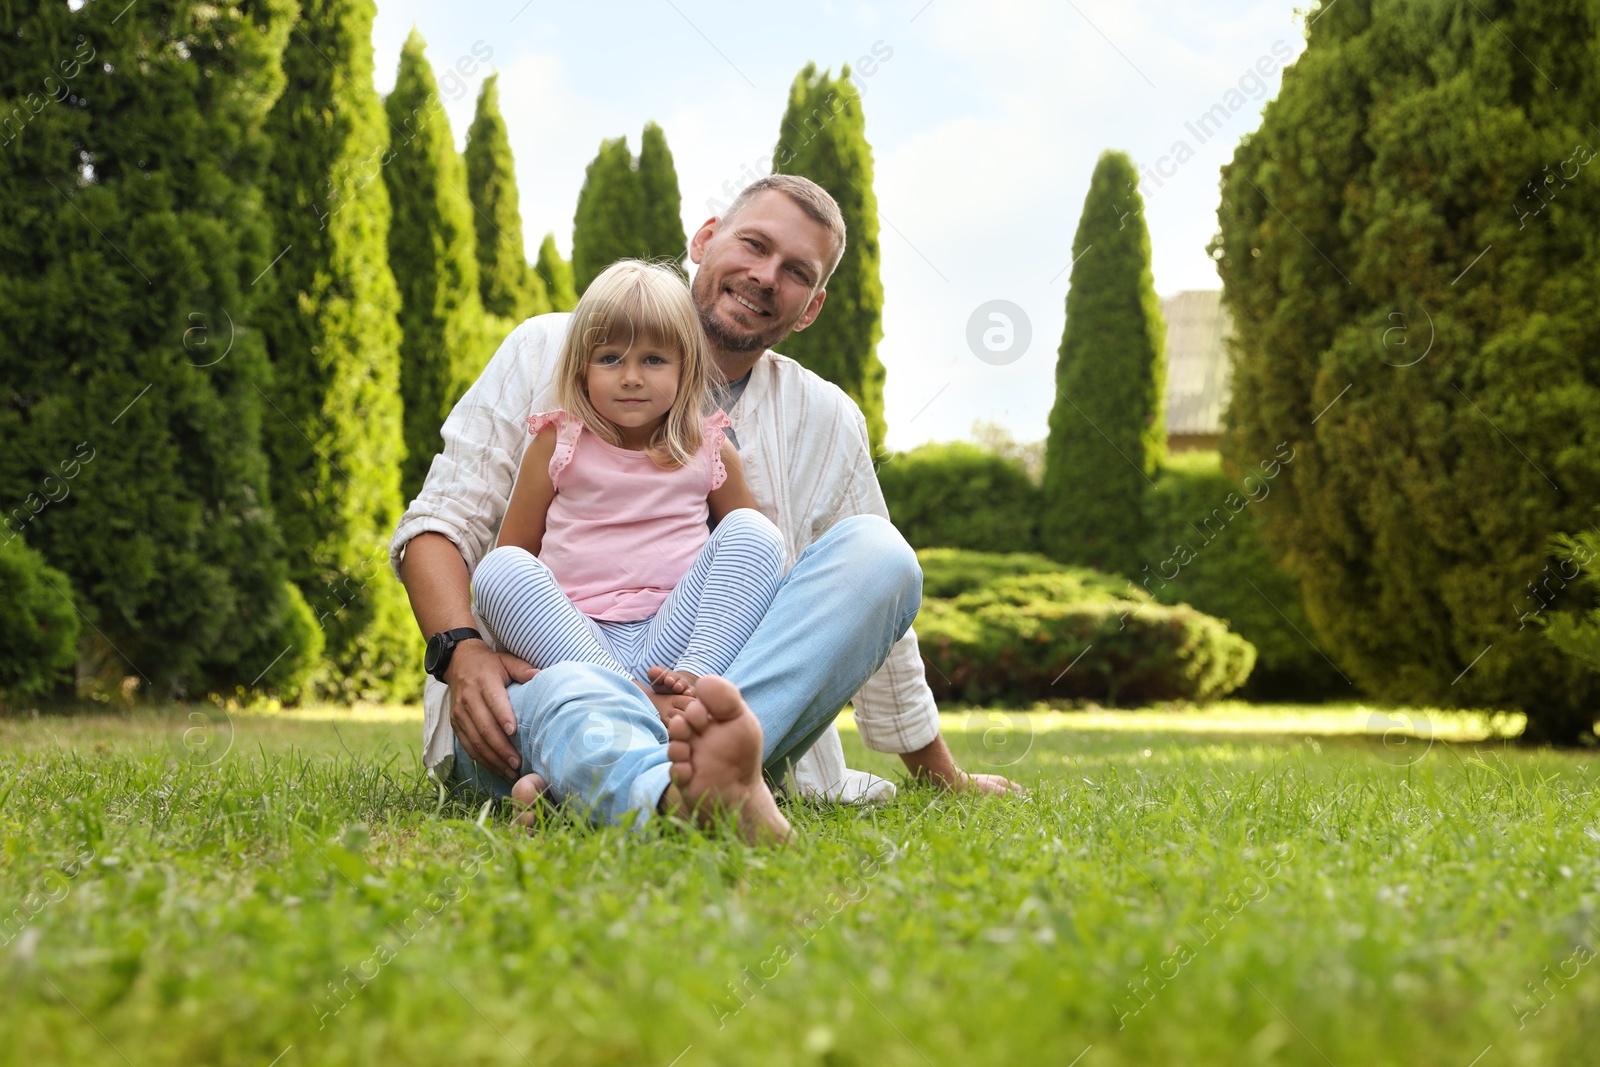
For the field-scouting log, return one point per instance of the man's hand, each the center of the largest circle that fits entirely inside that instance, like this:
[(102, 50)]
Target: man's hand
[(934, 762), (988, 783), (480, 711)]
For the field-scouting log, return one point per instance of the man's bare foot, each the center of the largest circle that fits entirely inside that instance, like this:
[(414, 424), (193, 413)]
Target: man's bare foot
[(526, 795), (672, 682), (715, 749)]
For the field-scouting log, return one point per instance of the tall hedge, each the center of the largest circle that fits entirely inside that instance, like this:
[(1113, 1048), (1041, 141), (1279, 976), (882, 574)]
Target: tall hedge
[(335, 426), (556, 273), (823, 137), (131, 151), (1415, 317), (507, 282), (1205, 549), (961, 495), (628, 207), (1108, 423), (433, 254)]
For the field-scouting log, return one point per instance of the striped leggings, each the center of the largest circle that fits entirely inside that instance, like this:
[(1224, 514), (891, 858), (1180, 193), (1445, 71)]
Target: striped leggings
[(700, 628)]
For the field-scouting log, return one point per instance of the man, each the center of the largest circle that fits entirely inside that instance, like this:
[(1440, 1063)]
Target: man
[(840, 624)]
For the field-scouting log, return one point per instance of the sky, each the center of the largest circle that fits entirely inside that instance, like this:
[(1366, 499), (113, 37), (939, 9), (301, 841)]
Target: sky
[(985, 118)]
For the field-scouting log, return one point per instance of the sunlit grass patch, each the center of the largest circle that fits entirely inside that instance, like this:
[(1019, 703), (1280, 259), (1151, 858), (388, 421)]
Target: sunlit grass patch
[(296, 887)]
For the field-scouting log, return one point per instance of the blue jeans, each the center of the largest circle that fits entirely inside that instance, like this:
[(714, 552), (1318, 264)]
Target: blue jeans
[(598, 742)]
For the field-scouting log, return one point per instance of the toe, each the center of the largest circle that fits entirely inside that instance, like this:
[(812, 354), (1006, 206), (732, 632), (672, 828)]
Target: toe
[(697, 716), (678, 752), (679, 729), (720, 697), (527, 790)]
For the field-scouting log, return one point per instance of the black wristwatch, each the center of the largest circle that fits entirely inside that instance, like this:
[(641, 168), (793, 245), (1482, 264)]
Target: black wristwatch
[(442, 646)]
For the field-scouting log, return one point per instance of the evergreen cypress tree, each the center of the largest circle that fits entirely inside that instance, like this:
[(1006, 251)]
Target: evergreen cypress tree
[(628, 207), (1108, 424), (823, 137), (435, 265), (334, 430), (556, 273), (131, 153), (608, 225), (662, 220), (1414, 317), (508, 284)]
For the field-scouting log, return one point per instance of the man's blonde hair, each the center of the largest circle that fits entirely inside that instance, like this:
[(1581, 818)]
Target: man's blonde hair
[(634, 302), (818, 204)]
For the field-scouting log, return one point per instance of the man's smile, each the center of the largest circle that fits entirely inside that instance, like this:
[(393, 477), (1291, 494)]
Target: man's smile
[(746, 304)]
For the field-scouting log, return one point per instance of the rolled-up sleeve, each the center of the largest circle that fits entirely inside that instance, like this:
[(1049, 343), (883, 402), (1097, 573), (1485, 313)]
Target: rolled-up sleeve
[(895, 709), (469, 483)]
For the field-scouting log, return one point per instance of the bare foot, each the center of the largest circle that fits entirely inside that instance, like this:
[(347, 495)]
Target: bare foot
[(666, 704), (715, 750), (669, 683), (526, 794)]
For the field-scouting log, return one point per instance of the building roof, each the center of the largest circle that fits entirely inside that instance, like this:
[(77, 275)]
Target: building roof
[(1198, 371)]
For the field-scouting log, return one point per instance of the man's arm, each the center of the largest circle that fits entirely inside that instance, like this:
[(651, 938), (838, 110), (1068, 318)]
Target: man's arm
[(934, 762), (451, 525), (435, 577), (900, 683)]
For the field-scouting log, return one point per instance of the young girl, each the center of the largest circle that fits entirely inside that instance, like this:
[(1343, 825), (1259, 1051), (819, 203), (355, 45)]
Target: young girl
[(604, 555)]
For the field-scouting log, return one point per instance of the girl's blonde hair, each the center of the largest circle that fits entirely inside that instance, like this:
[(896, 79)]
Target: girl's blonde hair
[(634, 302)]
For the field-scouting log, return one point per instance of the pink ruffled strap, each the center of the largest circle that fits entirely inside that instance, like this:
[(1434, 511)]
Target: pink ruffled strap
[(567, 431), (714, 437)]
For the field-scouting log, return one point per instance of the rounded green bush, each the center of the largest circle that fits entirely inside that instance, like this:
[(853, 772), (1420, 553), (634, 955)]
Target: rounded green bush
[(1066, 634), (39, 626)]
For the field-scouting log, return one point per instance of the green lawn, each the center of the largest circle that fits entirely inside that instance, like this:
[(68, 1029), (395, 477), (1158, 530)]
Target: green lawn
[(268, 890)]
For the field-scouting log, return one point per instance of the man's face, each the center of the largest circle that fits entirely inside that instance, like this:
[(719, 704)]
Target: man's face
[(760, 273)]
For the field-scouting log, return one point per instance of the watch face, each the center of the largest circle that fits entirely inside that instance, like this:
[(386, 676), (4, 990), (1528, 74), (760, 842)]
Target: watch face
[(436, 646)]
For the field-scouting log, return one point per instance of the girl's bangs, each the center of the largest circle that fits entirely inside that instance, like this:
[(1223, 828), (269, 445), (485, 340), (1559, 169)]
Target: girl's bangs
[(636, 316)]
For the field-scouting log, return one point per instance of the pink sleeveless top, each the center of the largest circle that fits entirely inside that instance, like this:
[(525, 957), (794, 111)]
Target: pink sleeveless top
[(621, 531)]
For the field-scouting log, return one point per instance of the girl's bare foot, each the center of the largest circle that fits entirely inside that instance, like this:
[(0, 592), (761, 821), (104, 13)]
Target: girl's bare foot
[(666, 704), (670, 683), (526, 794), (715, 749)]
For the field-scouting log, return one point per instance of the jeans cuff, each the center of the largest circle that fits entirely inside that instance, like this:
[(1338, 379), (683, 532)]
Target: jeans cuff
[(645, 792)]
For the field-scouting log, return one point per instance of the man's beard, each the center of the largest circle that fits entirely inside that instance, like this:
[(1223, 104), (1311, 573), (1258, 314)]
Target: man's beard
[(722, 336)]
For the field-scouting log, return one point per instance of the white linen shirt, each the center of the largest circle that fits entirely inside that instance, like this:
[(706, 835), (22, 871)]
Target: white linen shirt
[(804, 448)]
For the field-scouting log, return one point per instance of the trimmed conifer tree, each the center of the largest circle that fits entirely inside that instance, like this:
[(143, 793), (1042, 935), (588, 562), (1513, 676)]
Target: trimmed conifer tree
[(628, 207), (1414, 317), (508, 284), (662, 219), (331, 331), (608, 225), (1108, 423), (131, 153), (823, 137), (434, 259), (556, 272)]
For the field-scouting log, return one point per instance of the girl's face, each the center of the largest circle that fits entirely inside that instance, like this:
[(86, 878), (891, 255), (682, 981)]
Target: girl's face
[(633, 386)]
